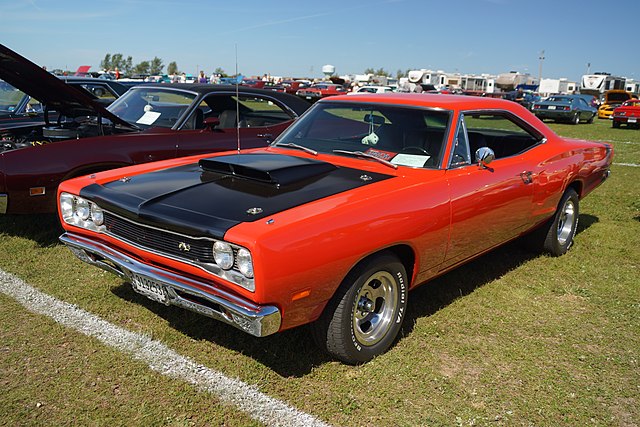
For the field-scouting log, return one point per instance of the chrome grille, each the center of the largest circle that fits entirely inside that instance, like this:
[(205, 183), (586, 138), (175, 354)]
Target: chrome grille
[(162, 241)]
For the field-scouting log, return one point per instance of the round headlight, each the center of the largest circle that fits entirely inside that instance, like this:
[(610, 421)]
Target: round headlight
[(96, 214), (82, 209), (223, 255), (245, 264)]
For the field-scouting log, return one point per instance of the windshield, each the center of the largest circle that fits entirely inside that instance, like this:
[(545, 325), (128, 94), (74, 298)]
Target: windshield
[(558, 99), (10, 97), (401, 135), (146, 107)]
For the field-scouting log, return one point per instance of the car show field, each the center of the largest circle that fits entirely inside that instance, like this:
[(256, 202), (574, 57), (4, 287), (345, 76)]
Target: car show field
[(512, 338)]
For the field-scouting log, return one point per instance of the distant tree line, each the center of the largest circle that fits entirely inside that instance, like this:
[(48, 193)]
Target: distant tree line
[(383, 72), (125, 66)]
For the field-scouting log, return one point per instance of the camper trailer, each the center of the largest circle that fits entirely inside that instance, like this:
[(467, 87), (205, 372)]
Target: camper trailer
[(597, 84)]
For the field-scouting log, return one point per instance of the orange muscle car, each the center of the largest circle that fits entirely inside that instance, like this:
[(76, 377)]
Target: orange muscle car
[(362, 199)]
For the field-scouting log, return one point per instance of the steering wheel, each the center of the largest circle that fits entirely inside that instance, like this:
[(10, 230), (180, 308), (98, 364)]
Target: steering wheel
[(414, 149)]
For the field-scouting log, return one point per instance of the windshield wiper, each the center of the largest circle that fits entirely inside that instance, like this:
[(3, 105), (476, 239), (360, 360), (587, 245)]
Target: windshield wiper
[(368, 156), (299, 147)]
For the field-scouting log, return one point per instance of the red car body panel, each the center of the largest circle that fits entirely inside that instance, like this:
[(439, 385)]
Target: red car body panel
[(437, 218)]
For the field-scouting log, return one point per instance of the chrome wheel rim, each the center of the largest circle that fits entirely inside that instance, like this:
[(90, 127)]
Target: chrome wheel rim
[(565, 222), (374, 308)]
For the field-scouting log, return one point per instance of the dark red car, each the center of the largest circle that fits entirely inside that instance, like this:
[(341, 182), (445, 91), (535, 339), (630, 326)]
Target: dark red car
[(147, 123), (320, 90)]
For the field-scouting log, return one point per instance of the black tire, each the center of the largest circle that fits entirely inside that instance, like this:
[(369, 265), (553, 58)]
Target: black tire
[(363, 318), (591, 119), (615, 124), (556, 235), (575, 120)]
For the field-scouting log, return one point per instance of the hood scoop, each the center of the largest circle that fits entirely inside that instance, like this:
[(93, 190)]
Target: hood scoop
[(276, 169)]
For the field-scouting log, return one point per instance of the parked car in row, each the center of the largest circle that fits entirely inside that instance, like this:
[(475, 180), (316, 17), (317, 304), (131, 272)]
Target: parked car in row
[(565, 108), (627, 114), (320, 90), (362, 199), (149, 122), (20, 114), (611, 100), (371, 89)]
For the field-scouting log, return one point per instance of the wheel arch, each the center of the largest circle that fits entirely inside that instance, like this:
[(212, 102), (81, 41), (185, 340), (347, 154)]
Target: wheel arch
[(577, 185), (402, 251)]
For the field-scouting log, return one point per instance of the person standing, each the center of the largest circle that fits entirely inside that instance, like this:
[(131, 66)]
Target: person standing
[(202, 78), (117, 72)]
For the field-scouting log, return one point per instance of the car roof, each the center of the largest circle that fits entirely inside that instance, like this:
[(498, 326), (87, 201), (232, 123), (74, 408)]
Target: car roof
[(297, 104), (447, 102)]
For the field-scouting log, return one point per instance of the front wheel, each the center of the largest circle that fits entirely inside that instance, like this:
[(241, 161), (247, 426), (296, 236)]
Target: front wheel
[(363, 318)]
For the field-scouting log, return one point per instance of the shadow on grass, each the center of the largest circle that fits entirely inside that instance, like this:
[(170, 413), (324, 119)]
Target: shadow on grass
[(293, 353), (44, 229)]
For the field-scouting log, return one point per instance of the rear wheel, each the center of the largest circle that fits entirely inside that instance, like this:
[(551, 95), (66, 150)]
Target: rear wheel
[(556, 235), (575, 119), (363, 318)]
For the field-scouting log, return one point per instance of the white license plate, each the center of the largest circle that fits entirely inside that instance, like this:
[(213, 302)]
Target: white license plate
[(631, 120), (149, 288), (308, 97), (552, 107)]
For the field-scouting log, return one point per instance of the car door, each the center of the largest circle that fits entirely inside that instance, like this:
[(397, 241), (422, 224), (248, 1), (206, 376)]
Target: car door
[(261, 120), (583, 108), (493, 204)]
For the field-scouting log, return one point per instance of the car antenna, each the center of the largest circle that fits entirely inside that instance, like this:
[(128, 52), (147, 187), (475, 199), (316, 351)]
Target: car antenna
[(237, 102)]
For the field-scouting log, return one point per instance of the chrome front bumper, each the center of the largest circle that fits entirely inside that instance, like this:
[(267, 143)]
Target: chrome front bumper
[(180, 291)]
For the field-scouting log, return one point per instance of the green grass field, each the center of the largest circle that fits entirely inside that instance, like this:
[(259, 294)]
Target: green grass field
[(511, 339)]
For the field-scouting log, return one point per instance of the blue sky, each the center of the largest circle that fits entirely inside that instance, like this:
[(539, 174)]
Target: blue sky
[(296, 38)]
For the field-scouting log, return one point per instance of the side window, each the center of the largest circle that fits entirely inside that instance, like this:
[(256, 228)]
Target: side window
[(461, 155), (255, 111), (99, 91), (499, 131), (34, 106)]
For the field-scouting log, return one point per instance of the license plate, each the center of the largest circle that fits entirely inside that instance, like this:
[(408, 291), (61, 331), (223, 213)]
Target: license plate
[(150, 288), (631, 120), (552, 107), (308, 97)]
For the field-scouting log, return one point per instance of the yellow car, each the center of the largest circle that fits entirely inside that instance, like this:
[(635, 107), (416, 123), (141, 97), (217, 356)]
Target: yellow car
[(612, 99)]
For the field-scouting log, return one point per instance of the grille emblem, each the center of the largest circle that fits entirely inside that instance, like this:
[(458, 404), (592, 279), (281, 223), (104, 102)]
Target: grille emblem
[(254, 211), (184, 247)]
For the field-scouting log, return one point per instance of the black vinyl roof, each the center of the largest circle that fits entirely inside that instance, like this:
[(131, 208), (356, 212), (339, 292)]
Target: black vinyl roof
[(298, 105)]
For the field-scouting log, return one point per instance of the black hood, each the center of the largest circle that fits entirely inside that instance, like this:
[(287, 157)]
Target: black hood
[(48, 89), (229, 190)]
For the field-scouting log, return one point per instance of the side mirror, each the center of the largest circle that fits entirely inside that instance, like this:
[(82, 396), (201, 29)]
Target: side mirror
[(484, 156), (211, 122)]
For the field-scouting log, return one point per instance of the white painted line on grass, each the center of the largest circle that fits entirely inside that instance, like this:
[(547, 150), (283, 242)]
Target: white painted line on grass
[(158, 356), (633, 165)]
